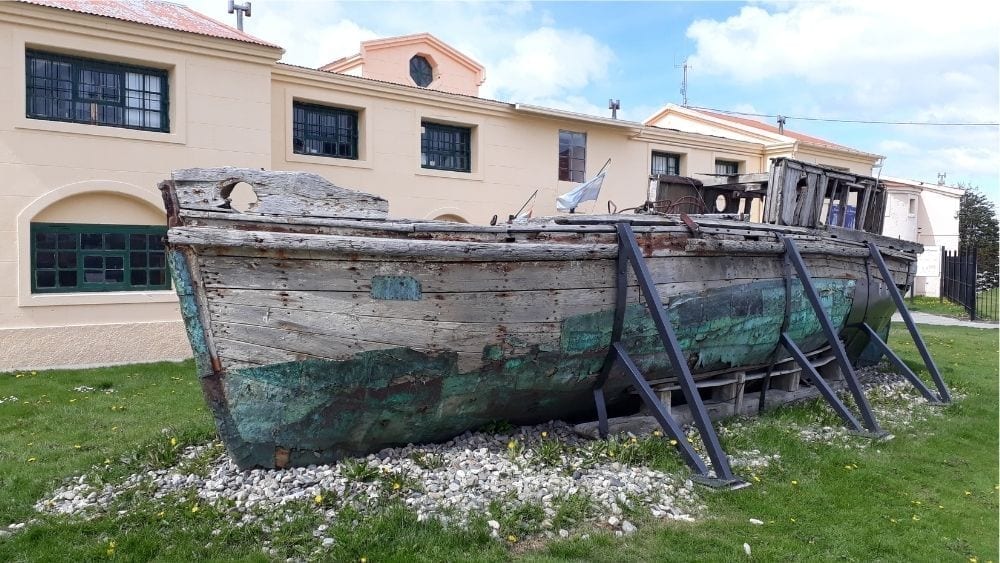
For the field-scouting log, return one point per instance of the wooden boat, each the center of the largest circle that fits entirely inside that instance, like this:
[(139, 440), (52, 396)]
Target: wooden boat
[(321, 328)]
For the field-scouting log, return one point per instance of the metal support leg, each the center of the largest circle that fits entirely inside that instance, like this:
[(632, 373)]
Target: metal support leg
[(660, 413), (824, 388), (898, 362), (628, 246), (629, 255), (832, 337), (621, 303), (602, 412), (897, 298)]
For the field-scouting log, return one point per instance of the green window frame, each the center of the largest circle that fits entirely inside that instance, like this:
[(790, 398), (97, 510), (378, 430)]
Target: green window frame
[(78, 90), (445, 147), (572, 156), (324, 131), (71, 257)]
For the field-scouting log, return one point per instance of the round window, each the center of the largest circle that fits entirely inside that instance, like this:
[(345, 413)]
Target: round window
[(421, 71)]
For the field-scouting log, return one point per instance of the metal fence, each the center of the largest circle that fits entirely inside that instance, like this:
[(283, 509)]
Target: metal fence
[(964, 284)]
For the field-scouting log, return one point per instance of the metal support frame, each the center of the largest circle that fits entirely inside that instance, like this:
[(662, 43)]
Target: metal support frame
[(792, 252), (943, 395), (629, 255), (898, 362)]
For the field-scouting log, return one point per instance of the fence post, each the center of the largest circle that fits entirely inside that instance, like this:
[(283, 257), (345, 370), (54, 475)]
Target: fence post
[(944, 261), (975, 284)]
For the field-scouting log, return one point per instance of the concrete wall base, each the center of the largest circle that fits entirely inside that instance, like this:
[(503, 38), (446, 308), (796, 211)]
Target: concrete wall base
[(92, 345)]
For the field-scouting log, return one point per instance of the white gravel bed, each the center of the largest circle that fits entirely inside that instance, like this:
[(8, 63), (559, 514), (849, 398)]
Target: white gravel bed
[(475, 476), (450, 482)]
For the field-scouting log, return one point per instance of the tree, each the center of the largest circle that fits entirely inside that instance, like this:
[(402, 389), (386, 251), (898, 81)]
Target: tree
[(978, 229)]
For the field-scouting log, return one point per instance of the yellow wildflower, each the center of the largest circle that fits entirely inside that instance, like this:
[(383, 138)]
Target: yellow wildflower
[(111, 548), (968, 493), (318, 499), (107, 461), (194, 509), (173, 442), (893, 520), (545, 434), (161, 514), (32, 459), (396, 486), (657, 433), (915, 517), (72, 400), (363, 560), (512, 538), (848, 467), (794, 483), (756, 478), (673, 442), (511, 444), (76, 446)]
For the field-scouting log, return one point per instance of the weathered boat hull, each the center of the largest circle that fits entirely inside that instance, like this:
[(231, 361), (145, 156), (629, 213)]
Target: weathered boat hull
[(315, 343)]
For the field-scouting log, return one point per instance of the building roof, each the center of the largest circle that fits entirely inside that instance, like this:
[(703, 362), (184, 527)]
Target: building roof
[(772, 129), (953, 191), (751, 127), (157, 13)]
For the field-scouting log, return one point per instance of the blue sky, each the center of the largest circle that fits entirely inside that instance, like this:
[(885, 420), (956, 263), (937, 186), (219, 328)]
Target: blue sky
[(874, 61)]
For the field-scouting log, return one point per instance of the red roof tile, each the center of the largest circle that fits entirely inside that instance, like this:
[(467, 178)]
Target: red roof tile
[(155, 13), (772, 129)]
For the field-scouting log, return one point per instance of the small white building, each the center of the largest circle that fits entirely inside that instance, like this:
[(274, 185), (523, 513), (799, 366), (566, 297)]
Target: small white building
[(926, 213)]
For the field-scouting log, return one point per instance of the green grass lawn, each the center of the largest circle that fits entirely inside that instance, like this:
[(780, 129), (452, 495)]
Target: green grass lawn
[(936, 306), (930, 494)]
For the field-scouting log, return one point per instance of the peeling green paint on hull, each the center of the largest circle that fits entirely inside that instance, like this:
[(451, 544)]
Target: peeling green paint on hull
[(319, 411)]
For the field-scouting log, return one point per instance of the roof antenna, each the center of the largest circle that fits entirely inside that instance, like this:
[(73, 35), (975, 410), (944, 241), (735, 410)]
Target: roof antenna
[(684, 82), (239, 9), (614, 106), (781, 125), (941, 177)]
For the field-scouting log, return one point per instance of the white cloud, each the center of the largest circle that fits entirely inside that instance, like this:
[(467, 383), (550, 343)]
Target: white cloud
[(884, 61), (549, 63), (834, 41)]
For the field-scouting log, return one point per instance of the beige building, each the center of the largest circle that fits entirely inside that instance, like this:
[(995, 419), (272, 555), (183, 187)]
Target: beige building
[(106, 98)]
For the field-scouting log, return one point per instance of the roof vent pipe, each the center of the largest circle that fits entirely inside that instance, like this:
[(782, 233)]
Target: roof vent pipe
[(239, 9), (614, 106)]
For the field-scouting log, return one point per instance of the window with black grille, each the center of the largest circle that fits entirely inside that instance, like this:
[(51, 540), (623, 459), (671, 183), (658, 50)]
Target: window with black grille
[(445, 147), (62, 88), (572, 156), (324, 131), (67, 257), (665, 163)]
